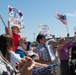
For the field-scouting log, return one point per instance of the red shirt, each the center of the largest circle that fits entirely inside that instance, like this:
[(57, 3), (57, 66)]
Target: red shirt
[(16, 38)]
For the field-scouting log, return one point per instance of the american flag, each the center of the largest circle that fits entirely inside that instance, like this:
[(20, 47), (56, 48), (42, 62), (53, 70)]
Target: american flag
[(62, 18), (75, 30)]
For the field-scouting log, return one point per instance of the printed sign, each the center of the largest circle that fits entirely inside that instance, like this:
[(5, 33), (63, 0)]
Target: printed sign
[(15, 16), (44, 29)]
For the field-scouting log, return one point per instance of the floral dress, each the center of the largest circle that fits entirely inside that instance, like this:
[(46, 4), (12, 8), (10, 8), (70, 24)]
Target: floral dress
[(6, 68)]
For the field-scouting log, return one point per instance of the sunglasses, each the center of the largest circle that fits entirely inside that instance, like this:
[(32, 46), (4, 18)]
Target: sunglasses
[(25, 42)]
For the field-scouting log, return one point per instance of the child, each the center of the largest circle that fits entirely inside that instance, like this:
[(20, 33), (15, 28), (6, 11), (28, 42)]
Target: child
[(14, 32), (22, 50), (21, 47)]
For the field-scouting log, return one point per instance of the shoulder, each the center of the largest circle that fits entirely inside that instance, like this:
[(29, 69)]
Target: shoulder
[(5, 68), (14, 55)]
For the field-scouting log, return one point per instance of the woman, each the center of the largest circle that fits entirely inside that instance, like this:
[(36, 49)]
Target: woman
[(63, 50), (25, 66), (6, 47)]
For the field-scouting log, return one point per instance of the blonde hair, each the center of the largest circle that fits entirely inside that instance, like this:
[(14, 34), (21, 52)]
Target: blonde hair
[(22, 39), (61, 40), (15, 26)]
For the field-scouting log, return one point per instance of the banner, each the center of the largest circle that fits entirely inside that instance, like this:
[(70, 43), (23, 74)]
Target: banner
[(44, 29), (15, 16)]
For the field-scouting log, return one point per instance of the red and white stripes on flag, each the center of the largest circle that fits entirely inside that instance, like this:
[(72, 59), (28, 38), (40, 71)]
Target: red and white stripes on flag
[(62, 18)]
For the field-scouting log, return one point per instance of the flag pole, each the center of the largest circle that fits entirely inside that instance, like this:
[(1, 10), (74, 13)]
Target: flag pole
[(67, 28), (2, 20)]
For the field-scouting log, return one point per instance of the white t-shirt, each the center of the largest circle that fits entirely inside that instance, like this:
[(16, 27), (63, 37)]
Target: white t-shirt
[(14, 58), (20, 47)]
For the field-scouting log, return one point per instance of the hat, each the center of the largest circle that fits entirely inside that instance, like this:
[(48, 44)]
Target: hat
[(48, 37), (51, 40)]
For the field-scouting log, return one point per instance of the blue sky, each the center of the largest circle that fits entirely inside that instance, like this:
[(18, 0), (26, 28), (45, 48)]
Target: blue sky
[(41, 12)]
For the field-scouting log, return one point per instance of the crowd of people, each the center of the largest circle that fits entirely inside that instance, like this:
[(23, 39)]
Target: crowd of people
[(50, 57)]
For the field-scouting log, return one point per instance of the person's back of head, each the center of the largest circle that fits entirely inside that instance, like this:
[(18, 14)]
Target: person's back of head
[(6, 42)]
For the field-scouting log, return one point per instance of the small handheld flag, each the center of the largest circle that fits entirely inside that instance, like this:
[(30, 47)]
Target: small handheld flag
[(75, 31), (44, 70), (62, 18)]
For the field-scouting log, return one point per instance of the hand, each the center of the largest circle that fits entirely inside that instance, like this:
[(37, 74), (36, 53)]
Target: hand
[(68, 35), (25, 66)]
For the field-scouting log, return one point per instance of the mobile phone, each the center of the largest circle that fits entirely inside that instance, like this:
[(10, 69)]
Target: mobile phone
[(32, 56), (30, 53)]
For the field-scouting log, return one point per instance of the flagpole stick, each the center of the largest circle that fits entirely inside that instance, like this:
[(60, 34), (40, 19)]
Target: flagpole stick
[(67, 28), (2, 20)]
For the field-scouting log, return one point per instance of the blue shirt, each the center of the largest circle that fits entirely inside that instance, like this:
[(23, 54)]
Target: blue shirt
[(22, 54), (42, 51)]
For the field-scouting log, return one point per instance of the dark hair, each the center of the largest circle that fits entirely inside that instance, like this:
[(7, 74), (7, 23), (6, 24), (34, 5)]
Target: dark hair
[(40, 36), (73, 56), (6, 42)]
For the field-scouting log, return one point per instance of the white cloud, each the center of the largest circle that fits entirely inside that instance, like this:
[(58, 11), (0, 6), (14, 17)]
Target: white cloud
[(71, 14)]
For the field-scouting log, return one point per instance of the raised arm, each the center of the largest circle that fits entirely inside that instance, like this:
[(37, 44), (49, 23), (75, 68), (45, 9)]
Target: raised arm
[(62, 42), (7, 29)]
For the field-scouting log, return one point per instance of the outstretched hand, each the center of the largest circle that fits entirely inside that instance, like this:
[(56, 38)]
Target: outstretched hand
[(68, 34), (25, 66)]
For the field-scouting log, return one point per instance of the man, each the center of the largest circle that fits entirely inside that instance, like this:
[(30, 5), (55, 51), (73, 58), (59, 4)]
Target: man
[(42, 50)]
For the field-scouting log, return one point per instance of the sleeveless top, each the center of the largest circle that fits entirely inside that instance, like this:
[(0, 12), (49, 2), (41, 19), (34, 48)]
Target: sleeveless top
[(6, 68)]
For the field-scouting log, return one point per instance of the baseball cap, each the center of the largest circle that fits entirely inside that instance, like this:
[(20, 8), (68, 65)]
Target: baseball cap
[(51, 40)]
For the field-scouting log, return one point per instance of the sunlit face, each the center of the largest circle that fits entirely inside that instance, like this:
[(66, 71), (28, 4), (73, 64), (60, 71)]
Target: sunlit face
[(54, 44), (23, 44), (17, 30)]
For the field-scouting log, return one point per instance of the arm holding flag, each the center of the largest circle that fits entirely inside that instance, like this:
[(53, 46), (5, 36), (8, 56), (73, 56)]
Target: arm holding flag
[(62, 44)]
